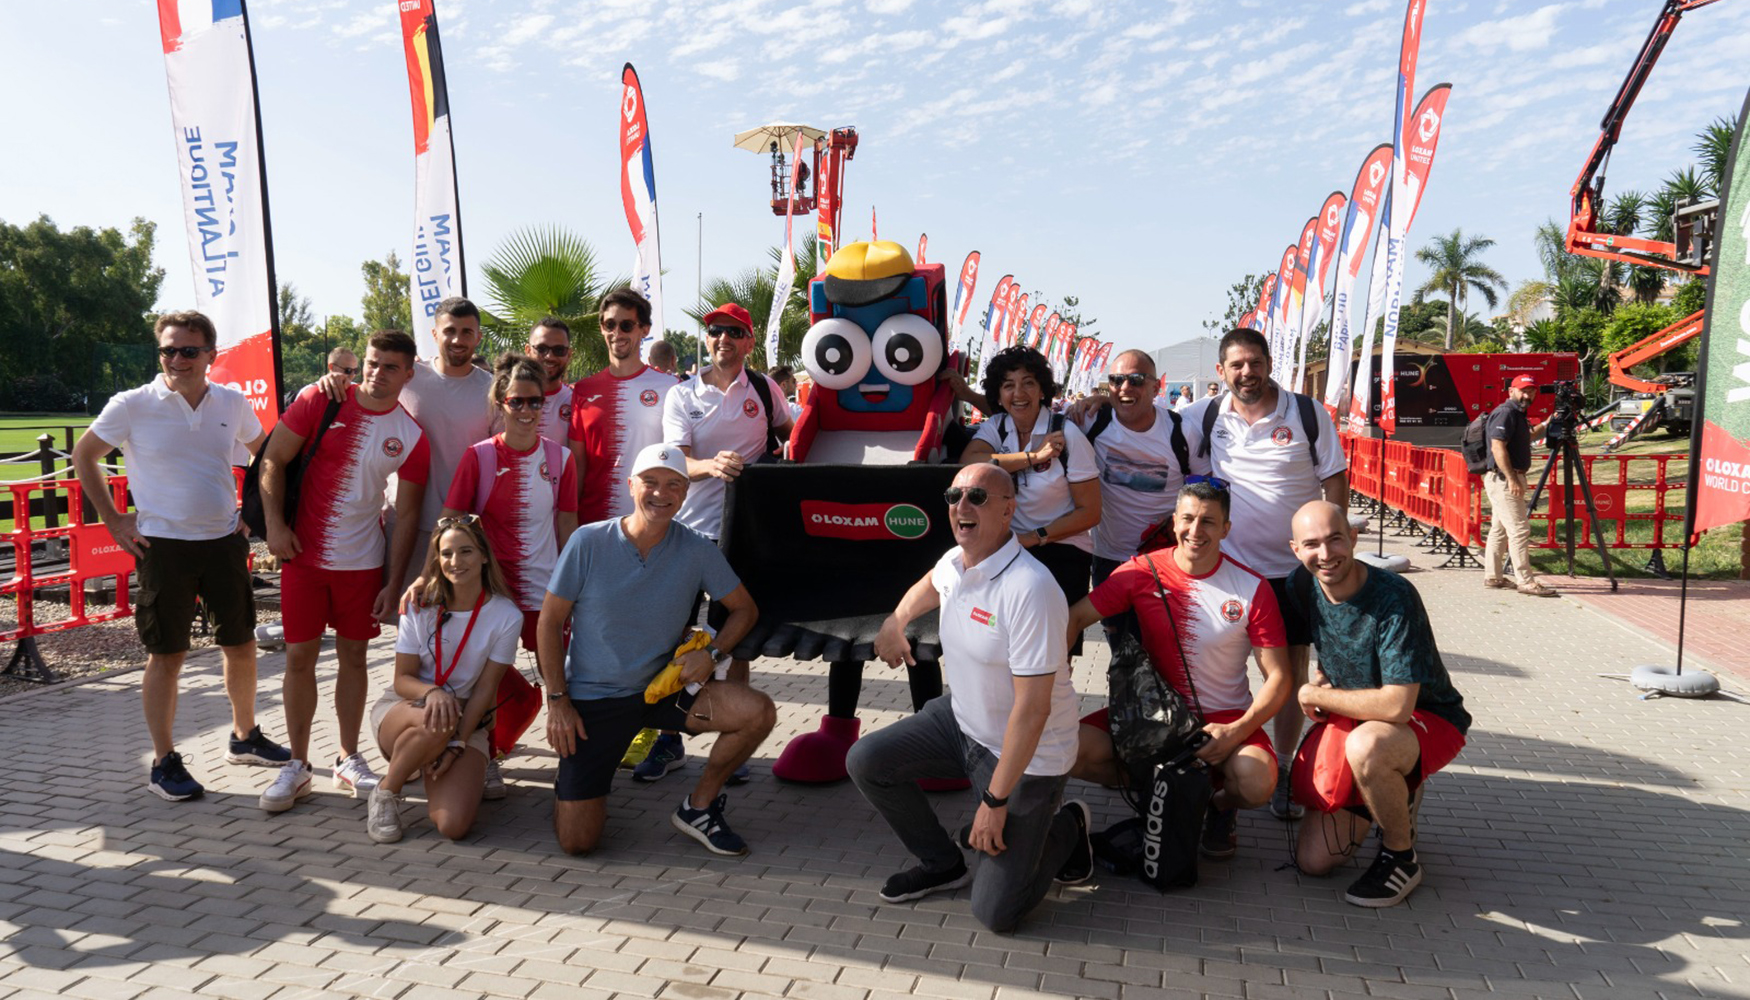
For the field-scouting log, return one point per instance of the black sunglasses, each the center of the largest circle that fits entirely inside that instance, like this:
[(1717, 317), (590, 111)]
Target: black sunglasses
[(1215, 481), (343, 370), (459, 521), (188, 352), (975, 495), (1134, 379), (732, 332), (525, 402), (624, 326), (553, 350)]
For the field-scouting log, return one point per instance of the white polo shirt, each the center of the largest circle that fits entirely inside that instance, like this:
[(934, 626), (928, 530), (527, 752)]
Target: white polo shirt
[(179, 457), (1042, 491), (699, 416), (1139, 484), (1006, 618), (1271, 472)]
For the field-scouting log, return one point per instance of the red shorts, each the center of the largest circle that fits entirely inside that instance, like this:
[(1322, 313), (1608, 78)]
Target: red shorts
[(1323, 779), (531, 631), (1260, 737), (312, 599)]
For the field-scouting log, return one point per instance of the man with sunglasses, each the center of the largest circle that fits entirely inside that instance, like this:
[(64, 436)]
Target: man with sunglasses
[(178, 434), (550, 346), (1007, 724), (1143, 459), (617, 412), (1200, 615)]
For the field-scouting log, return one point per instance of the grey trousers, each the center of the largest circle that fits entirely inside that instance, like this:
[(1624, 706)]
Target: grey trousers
[(886, 765)]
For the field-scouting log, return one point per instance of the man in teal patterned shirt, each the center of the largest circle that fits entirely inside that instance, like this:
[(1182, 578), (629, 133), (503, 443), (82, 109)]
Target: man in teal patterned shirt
[(1386, 713)]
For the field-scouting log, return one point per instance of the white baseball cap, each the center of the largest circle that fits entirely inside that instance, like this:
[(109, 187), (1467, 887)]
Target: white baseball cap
[(660, 456)]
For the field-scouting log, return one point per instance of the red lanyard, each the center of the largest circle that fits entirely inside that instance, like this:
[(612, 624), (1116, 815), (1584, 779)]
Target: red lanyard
[(443, 676)]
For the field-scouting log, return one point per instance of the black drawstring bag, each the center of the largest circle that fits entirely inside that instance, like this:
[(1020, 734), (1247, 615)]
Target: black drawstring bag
[(1155, 734)]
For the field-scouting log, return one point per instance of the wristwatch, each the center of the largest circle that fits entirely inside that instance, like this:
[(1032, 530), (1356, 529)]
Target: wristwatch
[(555, 695), (992, 800), (717, 655), (1043, 538)]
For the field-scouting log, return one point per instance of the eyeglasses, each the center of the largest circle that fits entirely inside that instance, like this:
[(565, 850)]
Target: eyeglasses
[(1134, 379), (975, 495), (525, 402), (552, 350), (343, 370), (1215, 481), (188, 352), (459, 521), (732, 332), (624, 325)]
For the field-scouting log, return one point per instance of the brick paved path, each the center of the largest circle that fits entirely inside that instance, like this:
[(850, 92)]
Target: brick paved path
[(1587, 844)]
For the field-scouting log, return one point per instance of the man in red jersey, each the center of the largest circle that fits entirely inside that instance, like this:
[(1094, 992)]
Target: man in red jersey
[(332, 558), (617, 412)]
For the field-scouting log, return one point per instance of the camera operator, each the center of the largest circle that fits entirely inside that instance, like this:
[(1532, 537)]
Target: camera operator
[(1509, 436)]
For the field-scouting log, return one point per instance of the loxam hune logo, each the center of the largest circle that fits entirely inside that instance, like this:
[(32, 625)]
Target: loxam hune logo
[(864, 522)]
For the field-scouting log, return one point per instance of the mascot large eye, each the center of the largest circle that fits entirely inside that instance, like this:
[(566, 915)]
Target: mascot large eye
[(908, 349), (836, 353)]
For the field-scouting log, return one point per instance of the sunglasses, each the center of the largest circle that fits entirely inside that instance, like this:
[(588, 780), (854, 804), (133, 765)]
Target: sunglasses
[(524, 402), (1215, 481), (343, 370), (188, 352), (732, 332), (975, 495), (552, 350), (459, 521), (624, 326), (1135, 380)]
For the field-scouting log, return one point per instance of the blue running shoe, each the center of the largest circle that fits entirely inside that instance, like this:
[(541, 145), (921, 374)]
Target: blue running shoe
[(171, 781), (666, 754), (708, 827)]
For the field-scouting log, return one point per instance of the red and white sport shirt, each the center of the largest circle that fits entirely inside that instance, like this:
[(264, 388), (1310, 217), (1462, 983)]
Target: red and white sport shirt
[(519, 514), (340, 505), (615, 418)]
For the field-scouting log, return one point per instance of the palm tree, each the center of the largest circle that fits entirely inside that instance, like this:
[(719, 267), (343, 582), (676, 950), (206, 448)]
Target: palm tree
[(545, 271), (1713, 144), (1526, 298), (1458, 272), (1470, 330)]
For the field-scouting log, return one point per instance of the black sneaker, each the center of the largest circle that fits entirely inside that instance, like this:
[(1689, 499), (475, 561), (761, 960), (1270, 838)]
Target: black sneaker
[(1387, 881), (1079, 867), (1220, 836), (708, 827), (256, 749), (916, 883), (171, 781)]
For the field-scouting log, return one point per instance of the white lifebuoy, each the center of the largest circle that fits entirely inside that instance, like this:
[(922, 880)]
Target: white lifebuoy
[(1395, 563), (1666, 680)]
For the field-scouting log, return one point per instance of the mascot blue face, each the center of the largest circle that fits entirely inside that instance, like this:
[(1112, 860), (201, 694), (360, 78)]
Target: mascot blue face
[(874, 356)]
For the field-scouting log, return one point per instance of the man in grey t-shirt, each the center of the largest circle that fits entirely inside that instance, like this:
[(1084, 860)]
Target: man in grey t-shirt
[(643, 568)]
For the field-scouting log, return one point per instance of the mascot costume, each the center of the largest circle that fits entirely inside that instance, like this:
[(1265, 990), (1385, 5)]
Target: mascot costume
[(831, 539)]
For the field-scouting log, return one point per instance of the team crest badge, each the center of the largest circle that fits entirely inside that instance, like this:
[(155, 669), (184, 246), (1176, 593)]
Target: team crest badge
[(565, 414), (1282, 435), (392, 447), (647, 397), (1232, 610), (544, 473), (750, 408)]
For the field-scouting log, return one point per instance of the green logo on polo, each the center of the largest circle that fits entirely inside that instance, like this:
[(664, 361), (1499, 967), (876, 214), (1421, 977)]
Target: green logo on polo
[(906, 521)]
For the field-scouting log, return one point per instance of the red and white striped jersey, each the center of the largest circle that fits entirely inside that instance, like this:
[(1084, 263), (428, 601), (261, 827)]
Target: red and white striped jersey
[(615, 418), (340, 506), (526, 497)]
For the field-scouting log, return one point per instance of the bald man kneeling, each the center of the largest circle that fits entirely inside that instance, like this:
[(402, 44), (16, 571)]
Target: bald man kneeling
[(1386, 713)]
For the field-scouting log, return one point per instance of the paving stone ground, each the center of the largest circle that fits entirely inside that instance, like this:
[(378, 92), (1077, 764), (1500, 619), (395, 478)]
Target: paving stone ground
[(1587, 844)]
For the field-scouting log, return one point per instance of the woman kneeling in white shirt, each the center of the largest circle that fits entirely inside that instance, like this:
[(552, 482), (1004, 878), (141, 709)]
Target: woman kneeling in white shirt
[(449, 658)]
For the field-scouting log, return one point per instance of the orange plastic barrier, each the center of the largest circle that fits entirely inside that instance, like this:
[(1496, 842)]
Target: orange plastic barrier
[(1612, 498), (1461, 511), (1364, 466), (91, 554)]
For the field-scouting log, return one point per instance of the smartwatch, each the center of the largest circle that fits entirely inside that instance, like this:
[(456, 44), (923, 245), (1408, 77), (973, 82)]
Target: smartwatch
[(717, 655), (1042, 536), (992, 800)]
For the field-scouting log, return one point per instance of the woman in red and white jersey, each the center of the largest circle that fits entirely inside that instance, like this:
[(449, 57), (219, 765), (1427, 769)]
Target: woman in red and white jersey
[(523, 486)]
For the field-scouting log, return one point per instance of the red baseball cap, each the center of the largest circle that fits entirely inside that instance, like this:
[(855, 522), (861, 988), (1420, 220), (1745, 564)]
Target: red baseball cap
[(1521, 382), (729, 312)]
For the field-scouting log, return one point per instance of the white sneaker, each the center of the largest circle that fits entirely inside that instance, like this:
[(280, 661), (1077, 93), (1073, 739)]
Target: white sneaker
[(383, 816), (352, 774), (270, 637), (289, 785), (494, 789)]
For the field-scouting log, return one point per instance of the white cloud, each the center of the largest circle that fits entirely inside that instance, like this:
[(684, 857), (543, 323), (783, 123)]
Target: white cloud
[(887, 6), (1525, 33), (1367, 7)]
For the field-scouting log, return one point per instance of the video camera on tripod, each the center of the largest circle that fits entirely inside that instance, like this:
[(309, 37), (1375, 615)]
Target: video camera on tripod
[(1564, 448), (1570, 402)]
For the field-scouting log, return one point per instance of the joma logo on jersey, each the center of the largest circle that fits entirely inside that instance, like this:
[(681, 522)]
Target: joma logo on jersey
[(864, 522)]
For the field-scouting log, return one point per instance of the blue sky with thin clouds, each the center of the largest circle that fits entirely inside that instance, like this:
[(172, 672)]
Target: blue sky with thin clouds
[(1141, 156)]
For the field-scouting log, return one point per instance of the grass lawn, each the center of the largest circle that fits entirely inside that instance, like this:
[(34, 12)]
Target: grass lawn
[(19, 431)]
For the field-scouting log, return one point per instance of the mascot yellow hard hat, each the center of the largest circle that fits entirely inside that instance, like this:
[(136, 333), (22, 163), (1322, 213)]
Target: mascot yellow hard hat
[(860, 273)]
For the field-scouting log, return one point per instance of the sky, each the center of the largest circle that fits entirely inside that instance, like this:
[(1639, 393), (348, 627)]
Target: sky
[(1140, 156)]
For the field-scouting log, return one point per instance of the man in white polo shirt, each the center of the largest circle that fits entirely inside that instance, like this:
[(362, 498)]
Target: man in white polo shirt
[(1276, 450), (1008, 723), (178, 434)]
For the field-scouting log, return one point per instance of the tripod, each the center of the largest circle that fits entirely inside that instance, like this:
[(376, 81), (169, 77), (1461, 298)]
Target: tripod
[(1564, 446)]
